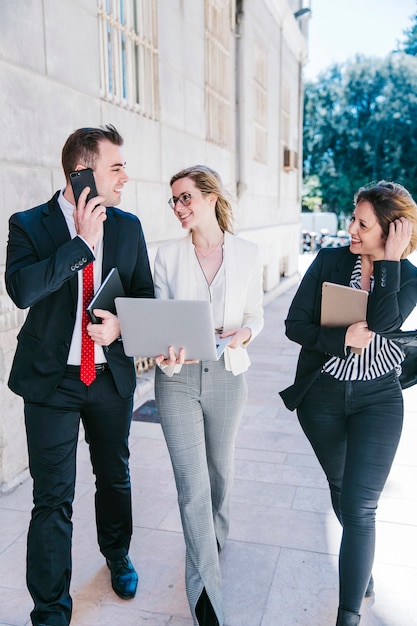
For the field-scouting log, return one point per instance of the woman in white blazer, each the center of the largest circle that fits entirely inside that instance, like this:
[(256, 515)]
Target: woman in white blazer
[(200, 403)]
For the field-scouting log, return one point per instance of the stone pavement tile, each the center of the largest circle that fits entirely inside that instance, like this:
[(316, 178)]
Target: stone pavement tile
[(312, 499), (12, 570), (396, 544), (303, 591), (394, 603), (19, 499), (15, 606), (279, 473), (150, 453), (270, 441), (263, 456), (262, 494), (151, 509), (158, 558), (280, 527), (87, 561), (303, 460), (172, 521), (247, 571), (13, 524), (397, 509), (108, 614), (401, 474), (83, 507), (265, 419)]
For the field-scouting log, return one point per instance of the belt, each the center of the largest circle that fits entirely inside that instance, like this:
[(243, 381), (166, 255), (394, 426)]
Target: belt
[(99, 367)]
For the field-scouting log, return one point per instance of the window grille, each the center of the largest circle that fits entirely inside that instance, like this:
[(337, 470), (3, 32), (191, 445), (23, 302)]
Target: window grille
[(129, 54), (260, 82), (285, 112), (219, 78)]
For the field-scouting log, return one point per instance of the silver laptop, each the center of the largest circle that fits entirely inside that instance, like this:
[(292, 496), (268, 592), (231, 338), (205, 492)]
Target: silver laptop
[(149, 326)]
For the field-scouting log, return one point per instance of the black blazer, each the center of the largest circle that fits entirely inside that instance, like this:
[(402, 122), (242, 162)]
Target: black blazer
[(392, 300), (41, 273)]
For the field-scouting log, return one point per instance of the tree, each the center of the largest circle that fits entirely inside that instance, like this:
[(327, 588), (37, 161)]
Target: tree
[(409, 46), (360, 127)]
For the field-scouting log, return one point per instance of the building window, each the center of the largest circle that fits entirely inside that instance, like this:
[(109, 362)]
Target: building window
[(129, 54), (219, 78), (260, 82), (289, 155)]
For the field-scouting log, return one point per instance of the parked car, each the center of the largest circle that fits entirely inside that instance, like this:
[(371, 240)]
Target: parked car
[(312, 241), (336, 241)]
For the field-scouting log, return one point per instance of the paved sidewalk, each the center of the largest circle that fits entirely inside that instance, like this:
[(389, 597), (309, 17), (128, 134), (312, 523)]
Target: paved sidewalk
[(279, 565)]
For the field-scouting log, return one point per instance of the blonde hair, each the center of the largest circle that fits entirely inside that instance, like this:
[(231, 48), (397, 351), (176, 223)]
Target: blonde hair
[(390, 201), (208, 181)]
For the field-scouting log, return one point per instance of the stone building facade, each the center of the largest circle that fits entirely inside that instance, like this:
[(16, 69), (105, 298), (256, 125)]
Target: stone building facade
[(217, 82)]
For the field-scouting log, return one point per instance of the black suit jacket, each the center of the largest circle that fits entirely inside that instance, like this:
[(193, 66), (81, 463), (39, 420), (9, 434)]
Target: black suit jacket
[(41, 273), (393, 298)]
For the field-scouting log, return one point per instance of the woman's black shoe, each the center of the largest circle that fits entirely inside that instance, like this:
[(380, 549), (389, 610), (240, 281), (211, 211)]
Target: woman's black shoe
[(347, 618), (370, 588), (204, 611)]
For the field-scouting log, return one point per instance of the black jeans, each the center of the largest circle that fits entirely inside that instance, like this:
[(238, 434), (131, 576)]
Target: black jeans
[(52, 434), (354, 428)]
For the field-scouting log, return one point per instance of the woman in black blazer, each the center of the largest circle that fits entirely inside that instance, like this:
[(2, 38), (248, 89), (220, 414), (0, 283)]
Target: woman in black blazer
[(350, 405)]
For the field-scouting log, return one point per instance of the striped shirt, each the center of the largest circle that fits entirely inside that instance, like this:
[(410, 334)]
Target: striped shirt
[(379, 358)]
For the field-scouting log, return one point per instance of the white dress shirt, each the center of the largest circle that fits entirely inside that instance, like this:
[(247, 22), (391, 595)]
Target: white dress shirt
[(74, 356)]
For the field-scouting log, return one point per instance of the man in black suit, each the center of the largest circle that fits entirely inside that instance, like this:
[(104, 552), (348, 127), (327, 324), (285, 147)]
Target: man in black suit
[(48, 248)]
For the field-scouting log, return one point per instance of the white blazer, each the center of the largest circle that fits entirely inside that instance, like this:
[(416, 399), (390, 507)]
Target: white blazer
[(174, 279)]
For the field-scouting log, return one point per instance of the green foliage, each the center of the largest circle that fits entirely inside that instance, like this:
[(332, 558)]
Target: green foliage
[(360, 126), (312, 198), (409, 45)]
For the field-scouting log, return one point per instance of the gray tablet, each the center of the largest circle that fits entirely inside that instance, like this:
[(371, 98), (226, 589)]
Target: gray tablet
[(149, 326), (342, 305)]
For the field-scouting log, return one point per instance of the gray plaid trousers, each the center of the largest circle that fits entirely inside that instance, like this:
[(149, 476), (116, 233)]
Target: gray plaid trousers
[(200, 410)]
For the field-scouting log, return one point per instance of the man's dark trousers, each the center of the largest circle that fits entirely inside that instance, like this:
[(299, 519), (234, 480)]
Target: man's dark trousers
[(52, 435)]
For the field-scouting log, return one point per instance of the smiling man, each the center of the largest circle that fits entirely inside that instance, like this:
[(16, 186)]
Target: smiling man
[(68, 369)]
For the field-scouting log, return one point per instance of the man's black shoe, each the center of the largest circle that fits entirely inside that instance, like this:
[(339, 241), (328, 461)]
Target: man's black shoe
[(124, 578)]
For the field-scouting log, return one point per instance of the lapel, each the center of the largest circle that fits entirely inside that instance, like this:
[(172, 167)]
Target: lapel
[(184, 273), (54, 222), (56, 226), (231, 279), (341, 271)]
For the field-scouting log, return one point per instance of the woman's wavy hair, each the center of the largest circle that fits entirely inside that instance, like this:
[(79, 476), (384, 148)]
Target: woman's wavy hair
[(208, 181), (390, 202)]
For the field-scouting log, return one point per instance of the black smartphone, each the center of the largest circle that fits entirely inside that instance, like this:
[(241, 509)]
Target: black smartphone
[(80, 180)]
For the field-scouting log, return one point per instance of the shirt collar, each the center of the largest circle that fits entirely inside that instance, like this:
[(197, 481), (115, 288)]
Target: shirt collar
[(66, 207)]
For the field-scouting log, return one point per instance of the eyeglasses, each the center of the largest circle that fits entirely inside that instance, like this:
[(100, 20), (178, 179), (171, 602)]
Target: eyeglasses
[(184, 199)]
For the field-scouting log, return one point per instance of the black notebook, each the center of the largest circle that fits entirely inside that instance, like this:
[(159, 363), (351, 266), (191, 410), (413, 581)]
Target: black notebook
[(109, 289)]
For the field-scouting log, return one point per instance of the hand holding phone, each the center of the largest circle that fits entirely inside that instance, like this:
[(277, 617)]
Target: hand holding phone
[(80, 180), (89, 218)]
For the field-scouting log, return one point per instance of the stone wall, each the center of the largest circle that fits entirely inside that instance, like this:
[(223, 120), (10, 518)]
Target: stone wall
[(50, 85)]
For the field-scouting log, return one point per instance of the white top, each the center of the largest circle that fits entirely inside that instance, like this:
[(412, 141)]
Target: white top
[(379, 358), (175, 277), (215, 292)]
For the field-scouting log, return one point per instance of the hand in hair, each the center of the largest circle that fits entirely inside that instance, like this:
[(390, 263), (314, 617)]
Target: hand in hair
[(400, 231)]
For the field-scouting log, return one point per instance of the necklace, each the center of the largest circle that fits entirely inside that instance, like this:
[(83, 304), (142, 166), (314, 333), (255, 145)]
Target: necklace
[(204, 257)]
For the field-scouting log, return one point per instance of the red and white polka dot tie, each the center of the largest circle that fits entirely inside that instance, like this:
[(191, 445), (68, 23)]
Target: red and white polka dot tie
[(87, 369)]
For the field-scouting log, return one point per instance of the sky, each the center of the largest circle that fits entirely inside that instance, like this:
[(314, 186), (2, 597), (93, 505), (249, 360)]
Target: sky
[(339, 29)]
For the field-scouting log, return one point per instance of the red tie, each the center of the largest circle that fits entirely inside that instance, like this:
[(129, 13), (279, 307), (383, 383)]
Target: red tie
[(87, 369)]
